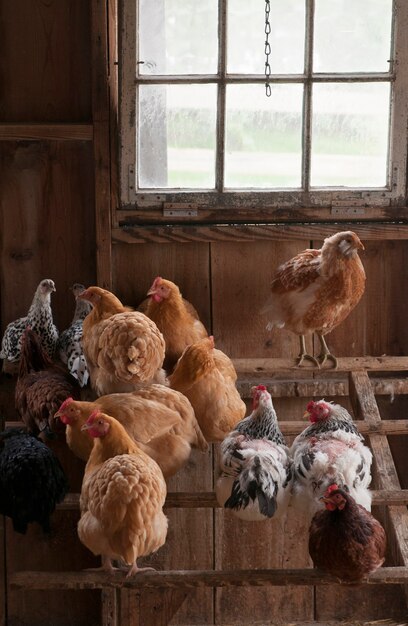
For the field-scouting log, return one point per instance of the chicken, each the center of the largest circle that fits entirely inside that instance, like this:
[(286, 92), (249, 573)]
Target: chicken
[(175, 317), (330, 450), (69, 342), (122, 497), (316, 290), (122, 348), (39, 318), (256, 467), (32, 480), (159, 419), (207, 377), (41, 387), (345, 540)]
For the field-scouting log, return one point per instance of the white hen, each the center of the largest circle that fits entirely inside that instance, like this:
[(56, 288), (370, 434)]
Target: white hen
[(256, 467)]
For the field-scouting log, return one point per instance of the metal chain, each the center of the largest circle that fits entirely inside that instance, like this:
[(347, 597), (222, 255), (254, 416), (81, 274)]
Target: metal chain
[(267, 48)]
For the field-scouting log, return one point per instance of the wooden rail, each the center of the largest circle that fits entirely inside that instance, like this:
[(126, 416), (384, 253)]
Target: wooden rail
[(195, 578), (266, 367)]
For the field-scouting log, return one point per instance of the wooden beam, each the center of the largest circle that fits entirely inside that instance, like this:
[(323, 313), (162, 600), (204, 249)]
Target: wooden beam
[(193, 578), (109, 607), (46, 132), (241, 233), (269, 367), (100, 116), (207, 499)]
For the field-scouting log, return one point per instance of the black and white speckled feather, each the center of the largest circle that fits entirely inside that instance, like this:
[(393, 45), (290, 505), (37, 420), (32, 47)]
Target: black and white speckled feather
[(32, 480), (70, 340), (39, 318), (256, 468), (330, 450)]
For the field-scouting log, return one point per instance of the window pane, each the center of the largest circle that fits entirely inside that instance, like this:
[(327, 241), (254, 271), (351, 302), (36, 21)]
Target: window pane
[(177, 136), (246, 36), (350, 134), (263, 136), (178, 36), (352, 35)]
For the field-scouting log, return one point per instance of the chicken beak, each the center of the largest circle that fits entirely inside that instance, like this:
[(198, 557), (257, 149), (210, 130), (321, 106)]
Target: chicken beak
[(306, 415), (151, 291), (57, 414), (360, 246), (85, 426)]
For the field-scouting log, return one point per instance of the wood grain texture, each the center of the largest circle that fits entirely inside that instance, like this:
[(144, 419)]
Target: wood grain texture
[(63, 132), (44, 64)]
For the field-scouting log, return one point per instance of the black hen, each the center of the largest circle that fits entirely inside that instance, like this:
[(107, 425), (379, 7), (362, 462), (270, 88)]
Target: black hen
[(32, 480)]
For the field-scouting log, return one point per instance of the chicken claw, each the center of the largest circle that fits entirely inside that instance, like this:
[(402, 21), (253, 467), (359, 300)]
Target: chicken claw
[(304, 356), (325, 353), (135, 569)]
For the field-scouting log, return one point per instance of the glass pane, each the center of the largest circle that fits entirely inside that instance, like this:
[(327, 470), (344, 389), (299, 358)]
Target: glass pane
[(246, 36), (350, 134), (178, 36), (263, 136), (177, 136), (352, 35)]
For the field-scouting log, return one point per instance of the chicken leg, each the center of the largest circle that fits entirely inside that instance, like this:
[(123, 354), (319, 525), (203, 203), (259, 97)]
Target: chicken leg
[(304, 355), (135, 569), (325, 353)]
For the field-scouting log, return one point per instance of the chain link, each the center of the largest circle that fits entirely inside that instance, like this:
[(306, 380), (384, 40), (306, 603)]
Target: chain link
[(267, 48)]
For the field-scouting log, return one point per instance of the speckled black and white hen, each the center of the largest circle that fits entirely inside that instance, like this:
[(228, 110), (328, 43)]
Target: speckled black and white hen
[(39, 318), (69, 342), (256, 467), (32, 480), (330, 450)]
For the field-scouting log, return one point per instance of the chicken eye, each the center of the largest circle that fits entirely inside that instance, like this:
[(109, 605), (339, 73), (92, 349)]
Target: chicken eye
[(100, 422)]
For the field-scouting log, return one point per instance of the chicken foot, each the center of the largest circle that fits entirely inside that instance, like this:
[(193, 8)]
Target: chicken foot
[(304, 356), (105, 567), (325, 353), (135, 569)]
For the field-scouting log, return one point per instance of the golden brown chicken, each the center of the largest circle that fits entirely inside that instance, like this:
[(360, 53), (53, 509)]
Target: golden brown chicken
[(175, 317), (345, 539), (207, 377), (161, 420), (122, 497), (316, 290), (123, 348)]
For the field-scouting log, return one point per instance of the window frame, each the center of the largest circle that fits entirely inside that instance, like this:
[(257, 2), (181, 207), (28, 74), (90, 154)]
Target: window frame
[(188, 203)]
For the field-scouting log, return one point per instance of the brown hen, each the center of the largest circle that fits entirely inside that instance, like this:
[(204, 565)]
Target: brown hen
[(175, 317), (123, 348), (41, 387), (345, 539), (207, 377), (161, 420), (316, 290), (122, 497)]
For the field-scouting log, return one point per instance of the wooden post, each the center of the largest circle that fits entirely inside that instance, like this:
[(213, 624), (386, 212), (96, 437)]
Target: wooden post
[(109, 607)]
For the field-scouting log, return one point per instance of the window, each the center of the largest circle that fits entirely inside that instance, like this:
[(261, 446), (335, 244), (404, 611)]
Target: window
[(197, 125)]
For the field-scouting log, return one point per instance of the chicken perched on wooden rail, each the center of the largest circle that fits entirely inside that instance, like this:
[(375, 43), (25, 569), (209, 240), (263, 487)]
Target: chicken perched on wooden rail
[(345, 539), (256, 469), (123, 348), (32, 481), (39, 319), (330, 450), (122, 497), (159, 419), (70, 340), (41, 387), (207, 377), (316, 290), (175, 317)]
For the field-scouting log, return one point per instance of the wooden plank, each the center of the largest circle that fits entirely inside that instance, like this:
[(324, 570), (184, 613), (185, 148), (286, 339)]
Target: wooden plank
[(101, 144), (263, 367), (113, 105), (244, 210), (45, 61), (109, 608), (207, 499), (246, 233), (30, 580), (129, 607), (30, 132), (386, 473), (157, 608)]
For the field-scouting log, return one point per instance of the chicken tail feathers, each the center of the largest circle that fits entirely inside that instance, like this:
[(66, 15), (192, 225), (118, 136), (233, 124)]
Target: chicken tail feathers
[(254, 486)]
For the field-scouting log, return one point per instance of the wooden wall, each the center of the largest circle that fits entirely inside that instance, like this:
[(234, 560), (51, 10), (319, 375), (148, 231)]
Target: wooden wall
[(57, 138)]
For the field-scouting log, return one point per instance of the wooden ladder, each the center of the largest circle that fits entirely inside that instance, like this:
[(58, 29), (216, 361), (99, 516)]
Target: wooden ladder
[(152, 598)]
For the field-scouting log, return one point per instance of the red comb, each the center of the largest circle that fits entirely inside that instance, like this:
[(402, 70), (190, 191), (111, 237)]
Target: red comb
[(157, 280), (261, 388), (331, 488), (311, 405), (93, 416), (66, 403)]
